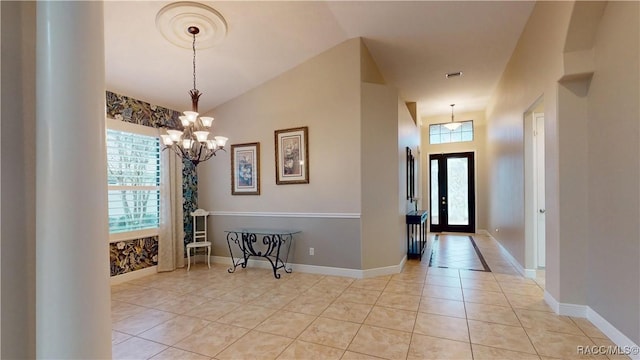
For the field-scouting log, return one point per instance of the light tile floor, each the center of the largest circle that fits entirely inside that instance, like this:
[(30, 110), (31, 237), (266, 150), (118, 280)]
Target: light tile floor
[(421, 313)]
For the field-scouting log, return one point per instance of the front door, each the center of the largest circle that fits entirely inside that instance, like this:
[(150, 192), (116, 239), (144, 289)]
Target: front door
[(452, 192)]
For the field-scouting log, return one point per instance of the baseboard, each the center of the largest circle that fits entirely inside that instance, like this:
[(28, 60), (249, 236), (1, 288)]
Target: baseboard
[(573, 310), (327, 270), (387, 270), (612, 333), (565, 308), (528, 273), (584, 311), (321, 270), (119, 279), (482, 232), (552, 302)]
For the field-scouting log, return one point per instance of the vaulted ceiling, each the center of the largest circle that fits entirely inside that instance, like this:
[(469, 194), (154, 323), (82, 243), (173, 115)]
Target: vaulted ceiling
[(414, 44)]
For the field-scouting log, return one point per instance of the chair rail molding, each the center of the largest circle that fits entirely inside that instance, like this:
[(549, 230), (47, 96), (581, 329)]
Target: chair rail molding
[(287, 214)]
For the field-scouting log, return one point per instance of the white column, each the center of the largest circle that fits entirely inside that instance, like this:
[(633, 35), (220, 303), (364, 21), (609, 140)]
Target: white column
[(72, 271)]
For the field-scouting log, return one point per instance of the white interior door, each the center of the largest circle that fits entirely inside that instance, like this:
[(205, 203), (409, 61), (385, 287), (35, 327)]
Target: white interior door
[(540, 188)]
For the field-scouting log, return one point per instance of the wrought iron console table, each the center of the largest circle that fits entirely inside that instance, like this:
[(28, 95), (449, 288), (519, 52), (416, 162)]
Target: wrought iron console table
[(270, 248)]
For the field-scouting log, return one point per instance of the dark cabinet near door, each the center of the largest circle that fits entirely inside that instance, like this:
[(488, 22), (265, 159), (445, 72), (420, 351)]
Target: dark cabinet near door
[(416, 233)]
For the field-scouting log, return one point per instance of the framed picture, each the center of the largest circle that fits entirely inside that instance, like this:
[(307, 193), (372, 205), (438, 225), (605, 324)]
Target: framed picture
[(292, 156), (245, 169)]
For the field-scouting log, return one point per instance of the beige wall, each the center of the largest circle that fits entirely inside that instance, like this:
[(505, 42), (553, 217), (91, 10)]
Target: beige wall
[(380, 221), (408, 136), (369, 71), (349, 122), (573, 190), (614, 170), (478, 146), (18, 180), (592, 194), (323, 94), (532, 72), (386, 124)]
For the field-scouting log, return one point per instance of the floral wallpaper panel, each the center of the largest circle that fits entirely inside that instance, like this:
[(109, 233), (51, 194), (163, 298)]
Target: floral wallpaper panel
[(131, 255), (135, 111), (124, 108), (189, 198)]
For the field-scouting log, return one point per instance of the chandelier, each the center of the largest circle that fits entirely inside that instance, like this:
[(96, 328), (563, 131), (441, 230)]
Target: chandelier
[(193, 143), (452, 125)]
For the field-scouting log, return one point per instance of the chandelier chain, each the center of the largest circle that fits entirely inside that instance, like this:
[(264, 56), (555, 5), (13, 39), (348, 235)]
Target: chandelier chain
[(193, 143), (194, 60)]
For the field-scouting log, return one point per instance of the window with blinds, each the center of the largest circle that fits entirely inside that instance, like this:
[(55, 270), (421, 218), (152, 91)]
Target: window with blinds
[(438, 134), (133, 173)]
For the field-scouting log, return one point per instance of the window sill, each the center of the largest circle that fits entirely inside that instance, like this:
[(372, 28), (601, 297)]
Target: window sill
[(132, 235)]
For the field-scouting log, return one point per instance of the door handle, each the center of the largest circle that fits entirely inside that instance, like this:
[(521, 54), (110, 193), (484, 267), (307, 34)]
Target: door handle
[(542, 211)]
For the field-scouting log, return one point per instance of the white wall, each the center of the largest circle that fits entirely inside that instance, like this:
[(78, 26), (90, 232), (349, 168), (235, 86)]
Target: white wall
[(18, 180), (477, 146)]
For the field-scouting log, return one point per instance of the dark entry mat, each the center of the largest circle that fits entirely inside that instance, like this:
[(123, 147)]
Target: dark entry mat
[(457, 252)]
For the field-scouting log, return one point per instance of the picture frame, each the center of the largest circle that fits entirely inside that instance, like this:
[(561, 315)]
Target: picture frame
[(245, 169), (292, 156)]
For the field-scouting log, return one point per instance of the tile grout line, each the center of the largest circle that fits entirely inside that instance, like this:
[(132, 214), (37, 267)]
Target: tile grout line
[(334, 300), (519, 321), (362, 324), (466, 318), (415, 322)]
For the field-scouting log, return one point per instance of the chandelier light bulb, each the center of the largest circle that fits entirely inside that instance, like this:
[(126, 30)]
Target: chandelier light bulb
[(175, 135), (206, 121), (191, 115), (166, 140), (221, 141), (187, 143), (201, 135), (184, 120)]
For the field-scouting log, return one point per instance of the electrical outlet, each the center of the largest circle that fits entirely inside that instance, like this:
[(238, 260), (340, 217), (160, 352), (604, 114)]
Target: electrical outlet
[(311, 251)]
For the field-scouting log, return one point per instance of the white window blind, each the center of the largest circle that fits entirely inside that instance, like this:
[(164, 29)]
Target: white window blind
[(133, 173)]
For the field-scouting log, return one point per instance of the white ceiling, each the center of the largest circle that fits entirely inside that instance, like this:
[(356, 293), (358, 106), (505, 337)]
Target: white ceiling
[(414, 44)]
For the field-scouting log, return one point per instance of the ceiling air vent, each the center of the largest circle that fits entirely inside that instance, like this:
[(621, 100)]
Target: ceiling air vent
[(453, 74)]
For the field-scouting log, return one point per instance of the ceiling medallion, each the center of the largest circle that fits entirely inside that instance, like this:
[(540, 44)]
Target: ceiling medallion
[(174, 20)]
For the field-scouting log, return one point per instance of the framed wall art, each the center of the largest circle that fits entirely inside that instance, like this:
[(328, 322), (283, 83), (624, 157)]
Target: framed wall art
[(245, 169), (292, 156)]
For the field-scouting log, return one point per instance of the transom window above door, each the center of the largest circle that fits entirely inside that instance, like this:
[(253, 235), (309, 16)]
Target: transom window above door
[(439, 134)]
